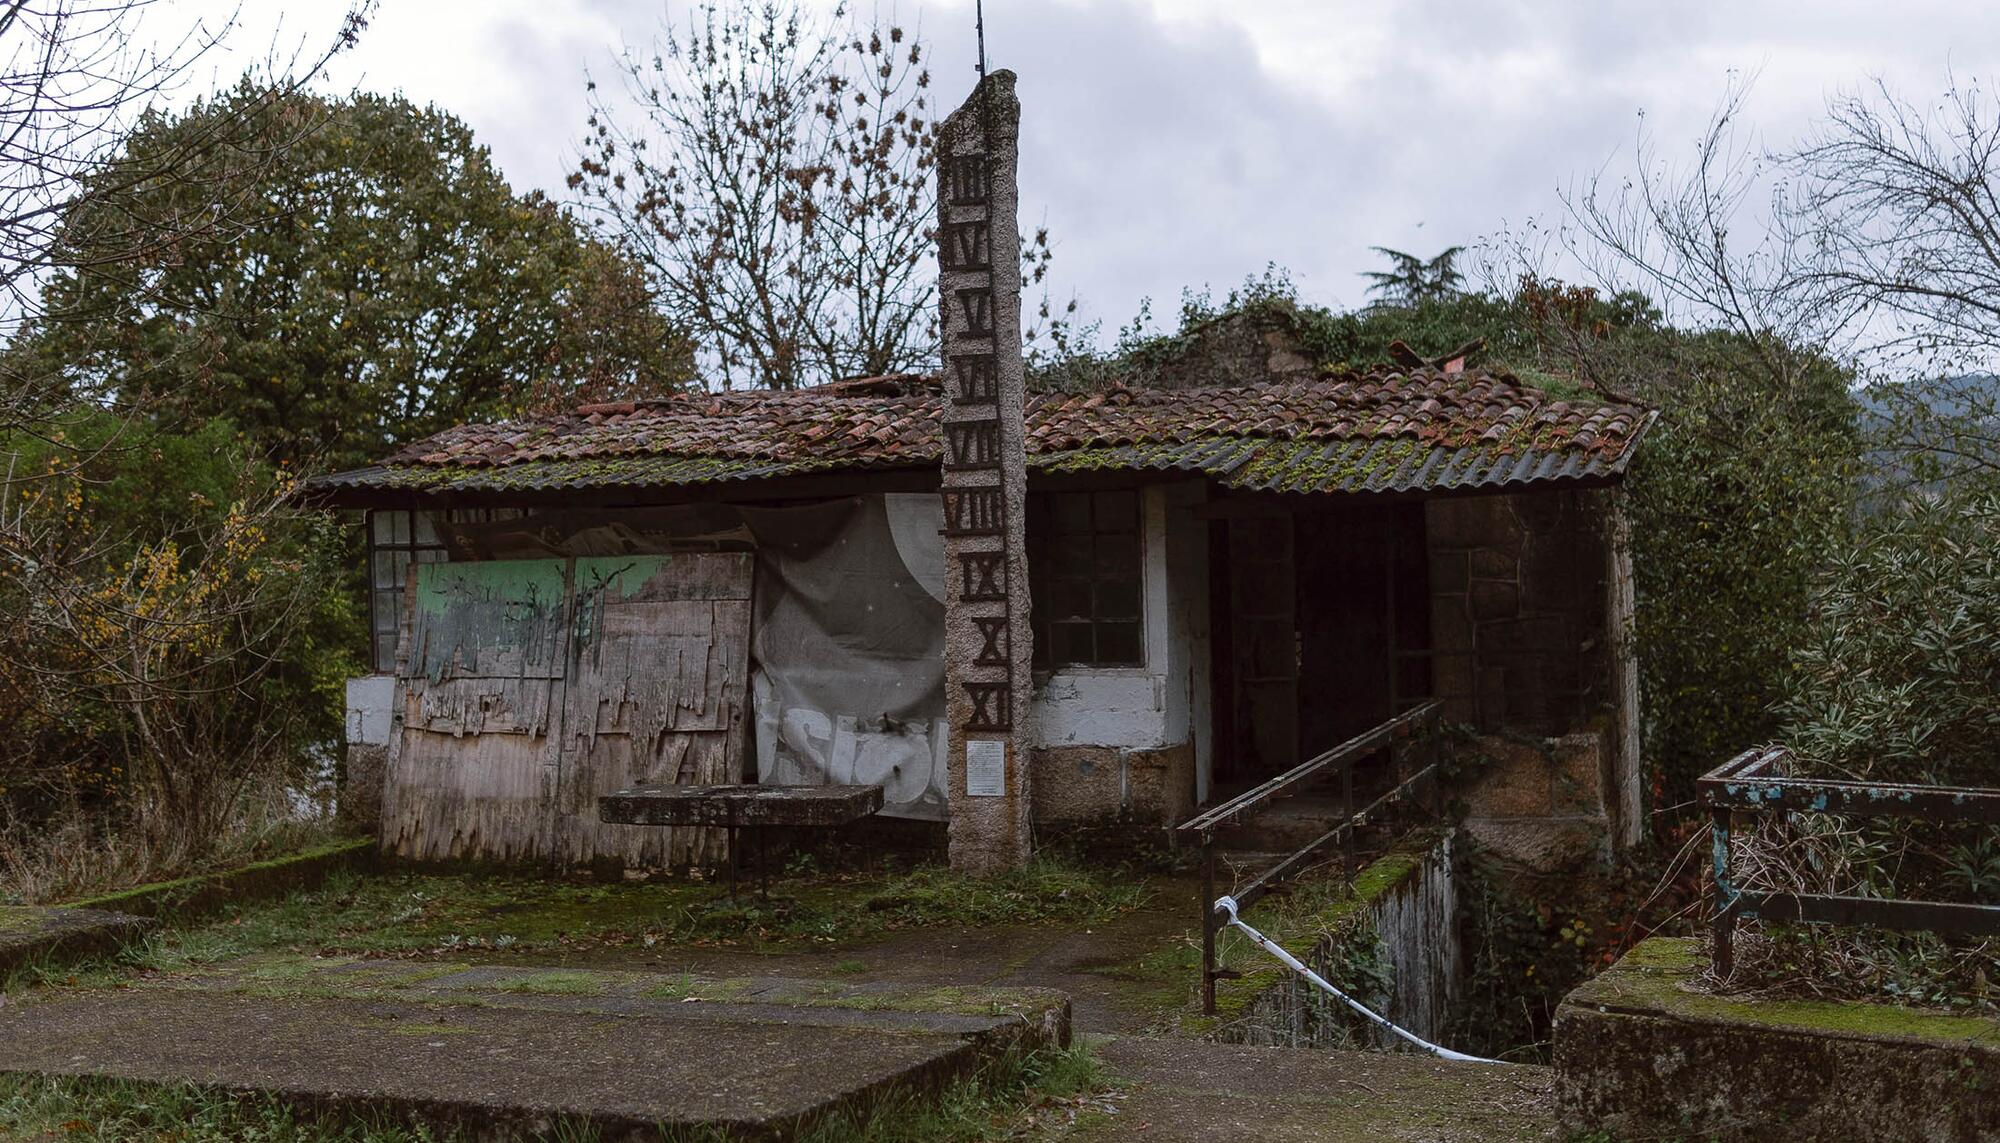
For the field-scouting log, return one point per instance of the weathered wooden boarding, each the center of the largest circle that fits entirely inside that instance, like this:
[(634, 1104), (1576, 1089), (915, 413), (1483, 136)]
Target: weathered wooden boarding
[(527, 689)]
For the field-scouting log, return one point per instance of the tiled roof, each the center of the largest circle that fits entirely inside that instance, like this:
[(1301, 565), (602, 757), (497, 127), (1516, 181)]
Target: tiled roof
[(1383, 429)]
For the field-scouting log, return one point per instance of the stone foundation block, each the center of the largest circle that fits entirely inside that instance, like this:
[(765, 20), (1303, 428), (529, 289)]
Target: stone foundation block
[(1639, 1054), (1094, 784)]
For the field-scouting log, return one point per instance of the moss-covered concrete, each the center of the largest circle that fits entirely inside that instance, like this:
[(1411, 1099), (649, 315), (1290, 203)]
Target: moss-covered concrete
[(288, 976), (191, 897), (38, 936), (509, 1070), (1642, 1049), (1316, 914)]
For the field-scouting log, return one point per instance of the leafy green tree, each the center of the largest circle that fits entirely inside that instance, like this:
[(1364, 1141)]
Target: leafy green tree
[(1892, 682), (385, 283)]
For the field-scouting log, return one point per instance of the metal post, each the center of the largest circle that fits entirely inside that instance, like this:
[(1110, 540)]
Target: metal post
[(1393, 759), (1347, 811), (1207, 924), (1434, 757), (1724, 962)]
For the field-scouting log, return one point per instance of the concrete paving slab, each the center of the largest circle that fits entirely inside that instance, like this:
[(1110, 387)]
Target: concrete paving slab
[(1184, 1091), (492, 1060), (31, 934)]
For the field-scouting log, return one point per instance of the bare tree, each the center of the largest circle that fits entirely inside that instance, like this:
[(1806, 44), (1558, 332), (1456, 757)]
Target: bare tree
[(774, 172), (75, 77), (1895, 228), (1875, 241), (1689, 238)]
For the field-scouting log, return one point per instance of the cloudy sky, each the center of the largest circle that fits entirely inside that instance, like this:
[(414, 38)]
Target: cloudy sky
[(1171, 143)]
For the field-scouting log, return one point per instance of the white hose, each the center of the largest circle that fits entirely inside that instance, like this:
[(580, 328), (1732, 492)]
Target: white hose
[(1228, 905)]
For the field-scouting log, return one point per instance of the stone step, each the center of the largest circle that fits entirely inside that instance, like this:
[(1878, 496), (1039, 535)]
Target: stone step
[(1184, 1091)]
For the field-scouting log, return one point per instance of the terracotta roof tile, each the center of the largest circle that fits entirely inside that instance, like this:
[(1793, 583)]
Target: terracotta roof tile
[(1477, 414)]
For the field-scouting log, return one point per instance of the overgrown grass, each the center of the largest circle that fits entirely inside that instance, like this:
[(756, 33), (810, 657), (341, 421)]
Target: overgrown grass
[(34, 1107), (411, 914), (1011, 1097), (72, 855)]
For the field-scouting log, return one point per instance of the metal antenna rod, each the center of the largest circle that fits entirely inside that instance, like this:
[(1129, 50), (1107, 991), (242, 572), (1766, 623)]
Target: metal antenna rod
[(979, 24)]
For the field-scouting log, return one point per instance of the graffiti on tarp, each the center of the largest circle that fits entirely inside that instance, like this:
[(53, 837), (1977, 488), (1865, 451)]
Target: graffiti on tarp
[(802, 746)]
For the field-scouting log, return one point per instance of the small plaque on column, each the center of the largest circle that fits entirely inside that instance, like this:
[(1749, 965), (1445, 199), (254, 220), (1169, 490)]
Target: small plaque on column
[(985, 768)]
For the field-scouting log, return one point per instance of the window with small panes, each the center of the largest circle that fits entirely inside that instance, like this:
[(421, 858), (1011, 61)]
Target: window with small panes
[(398, 538), (1085, 578)]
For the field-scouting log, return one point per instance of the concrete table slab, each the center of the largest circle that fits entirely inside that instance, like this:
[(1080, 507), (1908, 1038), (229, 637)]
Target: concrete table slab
[(735, 807), (740, 805)]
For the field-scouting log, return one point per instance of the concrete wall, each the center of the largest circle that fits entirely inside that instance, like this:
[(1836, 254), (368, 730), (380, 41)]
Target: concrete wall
[(1412, 916), (1111, 742), (369, 701), (1530, 622)]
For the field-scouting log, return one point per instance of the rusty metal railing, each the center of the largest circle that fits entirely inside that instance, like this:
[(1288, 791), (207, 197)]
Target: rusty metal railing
[(1419, 722), (1756, 782)]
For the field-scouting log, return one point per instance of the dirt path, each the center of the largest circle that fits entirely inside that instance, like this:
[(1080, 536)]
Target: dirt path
[(1099, 965)]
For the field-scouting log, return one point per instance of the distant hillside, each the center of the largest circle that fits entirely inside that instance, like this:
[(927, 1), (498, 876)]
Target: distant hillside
[(1936, 414)]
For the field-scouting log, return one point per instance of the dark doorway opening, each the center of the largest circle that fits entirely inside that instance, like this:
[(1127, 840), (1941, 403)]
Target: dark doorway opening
[(1320, 628)]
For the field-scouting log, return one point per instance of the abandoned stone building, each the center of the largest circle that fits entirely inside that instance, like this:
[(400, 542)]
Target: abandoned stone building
[(1225, 579)]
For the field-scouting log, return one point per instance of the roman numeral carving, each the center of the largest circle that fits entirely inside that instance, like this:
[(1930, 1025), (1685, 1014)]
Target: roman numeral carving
[(985, 575), (974, 511), (965, 246), (978, 382), (966, 177), (976, 305), (972, 444), (994, 648), (992, 706)]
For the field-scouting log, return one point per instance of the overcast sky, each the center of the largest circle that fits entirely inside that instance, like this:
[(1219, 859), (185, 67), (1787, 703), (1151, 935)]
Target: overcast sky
[(1171, 143)]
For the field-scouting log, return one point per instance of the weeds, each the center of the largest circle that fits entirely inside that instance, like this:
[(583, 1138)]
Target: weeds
[(1002, 1100), (73, 854), (412, 914), (115, 1111)]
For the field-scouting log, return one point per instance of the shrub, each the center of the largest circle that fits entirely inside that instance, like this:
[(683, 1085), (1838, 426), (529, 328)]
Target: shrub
[(1893, 682), (173, 646)]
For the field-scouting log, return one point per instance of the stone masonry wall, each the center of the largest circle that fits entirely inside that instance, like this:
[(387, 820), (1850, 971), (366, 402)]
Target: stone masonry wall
[(1092, 784), (1518, 610), (1526, 635)]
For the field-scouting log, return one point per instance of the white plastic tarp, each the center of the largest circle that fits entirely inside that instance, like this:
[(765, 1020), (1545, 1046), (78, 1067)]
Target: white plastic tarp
[(847, 653)]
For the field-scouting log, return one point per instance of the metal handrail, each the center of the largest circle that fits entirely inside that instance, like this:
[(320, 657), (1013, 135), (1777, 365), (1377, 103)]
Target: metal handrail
[(1347, 753), (1228, 908), (1755, 782), (1202, 827)]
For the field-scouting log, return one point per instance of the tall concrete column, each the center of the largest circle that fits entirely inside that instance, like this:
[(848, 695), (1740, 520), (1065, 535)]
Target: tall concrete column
[(987, 639)]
